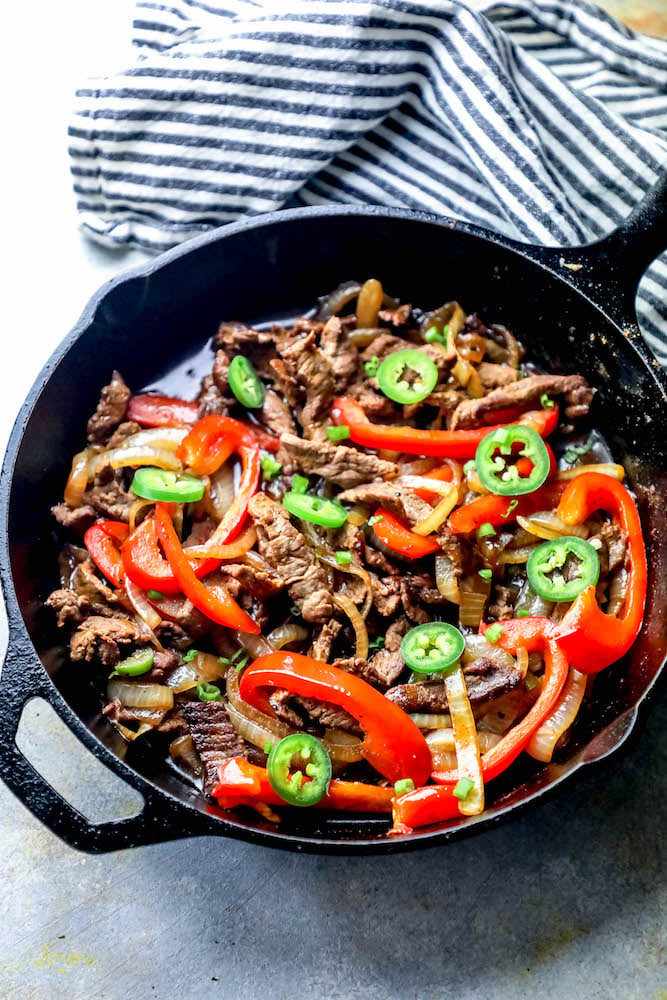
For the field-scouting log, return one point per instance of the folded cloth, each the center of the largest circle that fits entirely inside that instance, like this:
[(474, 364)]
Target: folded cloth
[(544, 120)]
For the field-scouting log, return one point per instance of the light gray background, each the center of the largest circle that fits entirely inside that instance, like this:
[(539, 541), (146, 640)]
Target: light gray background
[(567, 901)]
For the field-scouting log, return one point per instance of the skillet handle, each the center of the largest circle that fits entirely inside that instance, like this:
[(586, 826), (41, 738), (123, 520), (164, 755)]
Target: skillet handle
[(612, 268), (162, 818)]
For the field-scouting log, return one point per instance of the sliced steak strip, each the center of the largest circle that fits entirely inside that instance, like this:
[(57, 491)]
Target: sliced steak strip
[(341, 354), (484, 681), (110, 412), (108, 495), (79, 519), (339, 464), (493, 376), (288, 554), (313, 371), (399, 500), (301, 712), (214, 737), (276, 415), (99, 638), (323, 644), (70, 608), (574, 388)]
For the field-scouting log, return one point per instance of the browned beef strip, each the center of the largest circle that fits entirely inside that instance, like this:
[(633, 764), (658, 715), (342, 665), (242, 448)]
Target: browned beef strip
[(123, 432), (221, 373), (70, 607), (286, 385), (243, 338), (613, 549), (399, 500), (484, 681), (99, 638), (111, 410), (379, 561), (493, 376), (108, 495), (86, 583), (386, 593), (286, 551), (323, 643), (339, 464), (574, 388), (298, 711), (79, 519), (502, 607), (396, 317), (211, 401), (386, 344), (313, 371), (186, 616), (342, 355), (260, 582), (385, 666), (375, 405), (280, 701), (451, 546), (214, 737), (165, 662), (276, 415)]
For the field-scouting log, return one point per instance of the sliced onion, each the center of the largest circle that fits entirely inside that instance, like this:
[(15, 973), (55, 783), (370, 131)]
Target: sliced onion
[(285, 634), (617, 592), (255, 644), (78, 477), (230, 550), (445, 579), (522, 660), (182, 751), (141, 604), (358, 624), (358, 515), (605, 468), (338, 299), (219, 496), (353, 570), (476, 647), (117, 458), (474, 595), (369, 303), (431, 720), (531, 602), (440, 512), (132, 694), (546, 524), (468, 759), (520, 555), (443, 740), (133, 734), (543, 741), (135, 509), (499, 715), (439, 486), (203, 668), (471, 347), (419, 467), (259, 733), (363, 337)]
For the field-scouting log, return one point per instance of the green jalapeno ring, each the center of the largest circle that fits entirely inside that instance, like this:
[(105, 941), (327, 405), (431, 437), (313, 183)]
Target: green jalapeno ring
[(245, 383), (162, 484), (503, 479), (547, 560), (307, 785), (432, 648), (317, 510), (390, 376), (136, 664)]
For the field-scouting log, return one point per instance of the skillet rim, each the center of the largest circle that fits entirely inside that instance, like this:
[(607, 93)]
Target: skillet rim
[(545, 258)]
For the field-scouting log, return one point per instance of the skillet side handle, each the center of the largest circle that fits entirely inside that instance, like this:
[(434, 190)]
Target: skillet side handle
[(161, 818), (608, 272)]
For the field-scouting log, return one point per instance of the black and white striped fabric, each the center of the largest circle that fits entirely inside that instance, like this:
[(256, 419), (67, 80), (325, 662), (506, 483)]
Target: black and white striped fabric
[(544, 120)]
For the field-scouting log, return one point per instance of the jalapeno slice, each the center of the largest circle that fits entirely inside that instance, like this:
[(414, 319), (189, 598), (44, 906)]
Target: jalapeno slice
[(516, 442), (407, 376), (139, 663), (560, 569), (309, 781), (318, 510), (160, 484), (432, 648), (245, 383)]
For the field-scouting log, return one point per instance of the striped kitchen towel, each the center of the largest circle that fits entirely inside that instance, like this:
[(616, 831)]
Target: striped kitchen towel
[(544, 120)]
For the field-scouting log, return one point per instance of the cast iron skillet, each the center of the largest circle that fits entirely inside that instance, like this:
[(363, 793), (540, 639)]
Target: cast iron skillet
[(150, 321)]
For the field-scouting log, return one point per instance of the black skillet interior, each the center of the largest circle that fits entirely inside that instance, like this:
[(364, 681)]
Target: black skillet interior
[(156, 322)]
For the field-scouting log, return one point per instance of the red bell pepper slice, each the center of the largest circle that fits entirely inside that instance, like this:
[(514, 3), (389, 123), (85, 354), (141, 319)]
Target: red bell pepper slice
[(103, 540), (590, 638), (146, 566), (393, 744), (533, 634), (219, 607), (424, 807), (397, 536), (498, 511), (450, 444), (154, 410), (210, 443), (242, 783)]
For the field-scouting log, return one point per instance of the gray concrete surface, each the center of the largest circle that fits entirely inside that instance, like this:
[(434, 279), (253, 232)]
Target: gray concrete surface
[(565, 903)]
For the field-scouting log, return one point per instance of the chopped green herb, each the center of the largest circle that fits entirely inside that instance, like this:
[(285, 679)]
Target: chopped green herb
[(546, 403), (295, 610), (343, 558), (469, 467), (513, 503), (432, 336), (155, 595), (376, 643), (190, 655), (338, 433), (224, 660), (485, 574), (486, 530), (207, 692), (404, 785), (371, 367), (299, 484), (240, 655), (270, 467), (268, 747), (374, 519), (531, 681), (493, 633), (523, 614), (463, 788)]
